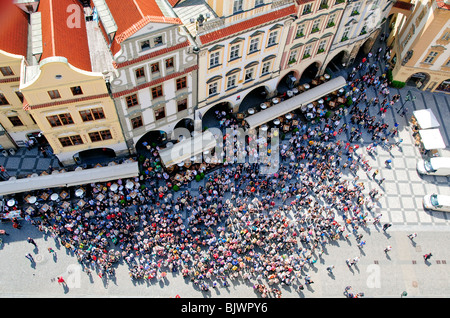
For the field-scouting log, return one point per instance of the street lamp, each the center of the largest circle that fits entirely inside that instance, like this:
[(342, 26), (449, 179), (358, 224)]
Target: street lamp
[(408, 98)]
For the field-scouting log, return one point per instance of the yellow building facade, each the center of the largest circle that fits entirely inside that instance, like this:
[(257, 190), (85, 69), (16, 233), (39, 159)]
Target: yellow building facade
[(72, 108), (16, 123), (66, 96), (420, 40)]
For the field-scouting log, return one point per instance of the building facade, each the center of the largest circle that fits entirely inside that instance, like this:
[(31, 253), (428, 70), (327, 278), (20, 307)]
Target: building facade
[(309, 39), (68, 100), (154, 81), (420, 41), (17, 124), (360, 24), (238, 45)]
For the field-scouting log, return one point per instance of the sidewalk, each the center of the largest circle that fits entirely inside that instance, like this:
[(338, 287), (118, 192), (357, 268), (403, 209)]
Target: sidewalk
[(25, 162)]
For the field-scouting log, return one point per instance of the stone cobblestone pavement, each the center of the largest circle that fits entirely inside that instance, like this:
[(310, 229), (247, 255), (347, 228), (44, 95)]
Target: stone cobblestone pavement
[(377, 274)]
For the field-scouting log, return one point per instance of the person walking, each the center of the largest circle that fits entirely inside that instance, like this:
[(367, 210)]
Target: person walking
[(330, 269), (31, 241), (388, 163), (387, 249), (386, 226), (412, 236), (30, 257), (426, 257), (374, 174)]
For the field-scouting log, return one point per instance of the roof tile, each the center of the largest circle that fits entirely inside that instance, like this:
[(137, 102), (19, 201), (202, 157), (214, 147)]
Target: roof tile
[(13, 28)]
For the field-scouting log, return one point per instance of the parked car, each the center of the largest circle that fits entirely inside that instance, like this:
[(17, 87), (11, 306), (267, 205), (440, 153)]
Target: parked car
[(437, 202), (436, 166)]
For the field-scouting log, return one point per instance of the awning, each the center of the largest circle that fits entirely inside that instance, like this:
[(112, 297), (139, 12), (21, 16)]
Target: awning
[(187, 148), (426, 119), (295, 102), (71, 178), (431, 139)]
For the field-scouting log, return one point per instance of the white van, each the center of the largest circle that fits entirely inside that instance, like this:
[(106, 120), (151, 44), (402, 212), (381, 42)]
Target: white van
[(436, 166), (437, 202)]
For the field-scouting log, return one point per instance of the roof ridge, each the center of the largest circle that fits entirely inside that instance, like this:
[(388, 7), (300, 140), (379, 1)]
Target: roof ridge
[(143, 22)]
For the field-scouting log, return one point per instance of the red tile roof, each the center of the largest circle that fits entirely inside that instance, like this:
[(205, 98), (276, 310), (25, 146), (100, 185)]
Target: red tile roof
[(403, 5), (132, 15), (247, 25), (13, 28), (173, 2), (441, 4), (58, 38)]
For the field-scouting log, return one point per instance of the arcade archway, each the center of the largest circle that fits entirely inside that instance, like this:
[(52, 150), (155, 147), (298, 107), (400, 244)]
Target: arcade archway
[(309, 73), (215, 114), (337, 63), (418, 80), (94, 156), (253, 99), (287, 82), (152, 138)]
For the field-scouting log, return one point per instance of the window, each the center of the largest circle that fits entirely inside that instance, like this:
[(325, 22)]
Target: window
[(100, 135), (19, 96), (300, 31), (430, 58), (234, 51), (139, 73), (54, 94), (231, 81), (160, 113), (182, 105), (293, 57), (272, 38), (307, 9), (345, 34), (254, 45), (214, 59), (331, 20), (315, 26), (212, 89), (266, 68), (3, 100), (321, 46), (259, 3), (181, 83), (446, 36), (76, 90), (15, 121), (145, 45), (169, 62), (157, 91), (60, 120), (364, 29), (132, 100), (158, 40), (249, 74), (355, 10), (324, 4), (6, 71), (307, 52), (92, 114), (237, 6), (154, 67), (71, 141), (136, 122)]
